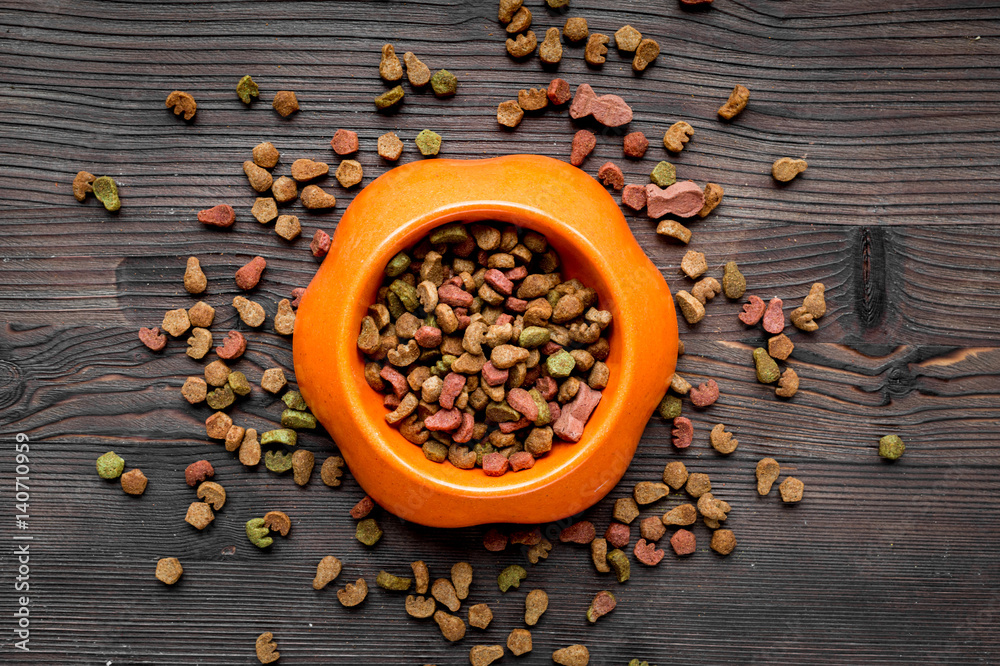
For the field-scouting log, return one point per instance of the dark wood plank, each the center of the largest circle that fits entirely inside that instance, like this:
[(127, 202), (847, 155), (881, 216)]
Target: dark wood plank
[(893, 106)]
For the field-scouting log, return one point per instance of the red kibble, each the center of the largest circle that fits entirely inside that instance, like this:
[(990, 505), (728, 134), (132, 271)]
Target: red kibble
[(635, 144), (498, 281), (493, 376), (610, 174), (198, 471), (152, 338), (428, 337), (449, 294), (618, 535), (464, 432), (397, 380), (550, 348), (222, 215), (581, 532), (559, 92), (344, 142), (704, 395), (233, 346), (363, 508), (752, 311), (452, 388), (518, 273), (526, 537), (521, 460), (519, 399), (774, 318), (683, 542), (494, 540), (634, 196), (248, 276), (494, 464), (443, 420), (320, 244), (683, 432), (297, 295), (585, 96), (583, 143), (547, 387), (649, 554)]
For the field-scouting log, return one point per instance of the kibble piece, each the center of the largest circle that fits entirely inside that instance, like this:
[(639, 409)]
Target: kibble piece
[(599, 554), (387, 581), (250, 448), (734, 285), (390, 68), (461, 578), (535, 604), (246, 89), (647, 492), (767, 473), (693, 264), (611, 174), (767, 369), (801, 318), (584, 142), (199, 343), (252, 314), (532, 99), (705, 395), (288, 227), (302, 466), (106, 191), (791, 490), (197, 472), (691, 307), (222, 215), (890, 447), (519, 642), (284, 318), (110, 465), (774, 318), (788, 384), (651, 528), (265, 155), (596, 49), (664, 174), (524, 45), (182, 104), (620, 565), (602, 604), (539, 551), (787, 168), (212, 493), (368, 532), (520, 21), (645, 54), (273, 380), (278, 462), (314, 197), (134, 482), (675, 474), (429, 142), (712, 510), (83, 184), (452, 628), (674, 229), (706, 289), (626, 510), (217, 425), (390, 147), (344, 142), (484, 655), (580, 532), (444, 83), (417, 72), (634, 196), (698, 484), (723, 441), (199, 515), (618, 535), (285, 103), (154, 340), (259, 178), (780, 347), (576, 29), (201, 314), (353, 593), (511, 577), (304, 170), (480, 616), (389, 99), (267, 649), (723, 541), (169, 570), (444, 591), (678, 135), (550, 51), (195, 281), (349, 173), (685, 514), (176, 322), (574, 655), (683, 542), (326, 572), (332, 470), (509, 114), (284, 190), (559, 92), (713, 197), (736, 103), (419, 607)]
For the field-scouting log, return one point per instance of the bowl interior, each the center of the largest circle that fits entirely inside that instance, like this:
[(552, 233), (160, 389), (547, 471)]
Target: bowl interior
[(579, 259)]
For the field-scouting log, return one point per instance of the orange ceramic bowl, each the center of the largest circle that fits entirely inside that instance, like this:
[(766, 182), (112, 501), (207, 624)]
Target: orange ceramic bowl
[(585, 226)]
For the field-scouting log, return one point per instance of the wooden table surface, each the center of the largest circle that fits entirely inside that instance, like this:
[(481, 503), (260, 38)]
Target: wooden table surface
[(893, 104)]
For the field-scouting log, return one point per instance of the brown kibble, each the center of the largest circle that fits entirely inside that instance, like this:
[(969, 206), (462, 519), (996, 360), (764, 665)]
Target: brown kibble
[(713, 197), (611, 175), (712, 509), (305, 170), (248, 276), (252, 314), (484, 655), (679, 385), (767, 473), (134, 482), (332, 470), (683, 542), (678, 135), (539, 551), (217, 373), (693, 264), (284, 189), (419, 607), (645, 54), (390, 147), (199, 343), (288, 226), (583, 143), (302, 466), (152, 338), (273, 380), (723, 541), (723, 441), (326, 572), (580, 532), (574, 655), (201, 314), (234, 437), (182, 103), (83, 185), (575, 29), (647, 492), (523, 46), (364, 506), (596, 49), (675, 474), (212, 493), (626, 510), (651, 528), (599, 554), (550, 51), (815, 303), (194, 390), (480, 616), (685, 514), (780, 347), (284, 318), (176, 322), (791, 490), (265, 155), (169, 570), (443, 590), (691, 307), (706, 289), (519, 642), (285, 103), (195, 281), (452, 628), (250, 448), (314, 197), (535, 605), (417, 73), (698, 484), (422, 576), (199, 515), (674, 229), (520, 21), (278, 521), (461, 578), (786, 168), (259, 178), (390, 68), (353, 593), (736, 103), (349, 174), (627, 39), (217, 425), (507, 10), (788, 384), (509, 114), (267, 649), (532, 99), (802, 319)]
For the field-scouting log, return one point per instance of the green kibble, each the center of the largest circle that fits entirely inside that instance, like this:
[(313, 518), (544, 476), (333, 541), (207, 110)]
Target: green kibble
[(106, 192), (429, 143), (220, 398), (282, 436), (387, 581), (482, 449), (734, 285), (501, 412), (294, 418), (619, 562), (396, 307), (511, 577), (553, 297), (238, 383), (443, 366), (389, 98), (431, 320), (257, 532), (368, 532), (294, 400), (890, 446), (449, 233), (444, 83), (246, 89), (110, 465), (534, 336), (664, 174), (398, 265), (407, 295), (767, 369), (560, 364), (544, 415), (670, 407), (435, 451), (636, 662), (592, 615), (278, 462)]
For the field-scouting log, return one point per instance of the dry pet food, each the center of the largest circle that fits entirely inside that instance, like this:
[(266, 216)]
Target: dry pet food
[(723, 441), (417, 73), (627, 39), (791, 489), (390, 68), (182, 104), (288, 226), (461, 578), (152, 338), (264, 155), (698, 484), (344, 142), (664, 174), (368, 532), (83, 184), (519, 642), (507, 10), (353, 593), (509, 114), (692, 309), (574, 655), (218, 216), (195, 281), (452, 628), (723, 541), (267, 649), (285, 103), (680, 199), (736, 103), (648, 553), (626, 510), (575, 29), (387, 581), (786, 168), (248, 276), (610, 175), (278, 521), (480, 616), (212, 494), (389, 99), (273, 380), (890, 447), (278, 462), (364, 506), (706, 289), (249, 453), (645, 54), (619, 563), (611, 111), (259, 179), (535, 604), (199, 515), (313, 198), (444, 83), (532, 99), (539, 551), (683, 542), (305, 170), (685, 514), (199, 343), (419, 607), (774, 318), (428, 142), (678, 135), (558, 92), (169, 570), (444, 591), (524, 45), (583, 143), (332, 470), (596, 49), (348, 174), (484, 655), (602, 604), (511, 577), (110, 465), (302, 466), (618, 535), (326, 572), (550, 51), (713, 197), (767, 369), (683, 432), (635, 144), (599, 554), (197, 472), (705, 395), (675, 474), (674, 229), (581, 532), (693, 264), (246, 89), (134, 482), (520, 22), (217, 425), (651, 528), (788, 384), (734, 285), (767, 473), (647, 492), (634, 196), (106, 191)]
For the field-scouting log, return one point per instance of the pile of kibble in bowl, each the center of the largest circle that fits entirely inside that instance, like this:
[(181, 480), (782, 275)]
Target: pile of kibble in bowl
[(485, 354)]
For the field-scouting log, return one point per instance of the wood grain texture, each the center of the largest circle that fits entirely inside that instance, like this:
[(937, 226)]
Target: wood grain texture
[(893, 105)]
